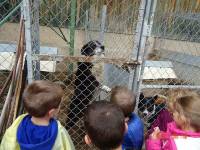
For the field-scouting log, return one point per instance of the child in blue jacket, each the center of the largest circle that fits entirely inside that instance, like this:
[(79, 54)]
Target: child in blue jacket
[(38, 130), (125, 99)]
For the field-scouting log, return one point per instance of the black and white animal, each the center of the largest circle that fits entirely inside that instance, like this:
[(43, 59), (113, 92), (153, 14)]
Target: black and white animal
[(85, 83), (149, 108)]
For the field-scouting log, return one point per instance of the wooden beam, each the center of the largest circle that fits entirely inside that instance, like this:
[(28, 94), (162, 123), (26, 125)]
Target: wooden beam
[(71, 59)]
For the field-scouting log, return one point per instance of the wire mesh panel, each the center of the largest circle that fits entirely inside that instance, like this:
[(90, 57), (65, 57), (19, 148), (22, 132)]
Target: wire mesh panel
[(66, 35), (9, 31), (172, 59)]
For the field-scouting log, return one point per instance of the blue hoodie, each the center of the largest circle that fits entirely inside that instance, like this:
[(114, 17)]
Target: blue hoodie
[(36, 137), (134, 137)]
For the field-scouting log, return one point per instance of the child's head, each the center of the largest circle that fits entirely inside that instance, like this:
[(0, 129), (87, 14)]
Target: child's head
[(174, 94), (186, 112), (105, 125), (42, 98), (124, 98)]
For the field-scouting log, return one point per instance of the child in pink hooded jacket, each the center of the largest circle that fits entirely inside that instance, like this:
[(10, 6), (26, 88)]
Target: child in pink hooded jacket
[(184, 132), (165, 116)]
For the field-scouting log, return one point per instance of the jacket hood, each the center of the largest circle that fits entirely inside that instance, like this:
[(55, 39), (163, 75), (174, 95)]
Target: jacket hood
[(35, 137), (174, 130)]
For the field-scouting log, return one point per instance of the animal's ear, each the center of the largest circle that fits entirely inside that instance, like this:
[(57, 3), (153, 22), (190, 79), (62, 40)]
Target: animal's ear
[(155, 97), (141, 96)]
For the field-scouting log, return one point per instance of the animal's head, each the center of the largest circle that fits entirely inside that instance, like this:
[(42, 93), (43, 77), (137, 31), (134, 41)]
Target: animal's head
[(149, 106), (146, 105), (92, 48)]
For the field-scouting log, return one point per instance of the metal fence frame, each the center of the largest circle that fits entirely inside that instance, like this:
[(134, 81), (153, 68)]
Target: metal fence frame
[(137, 60)]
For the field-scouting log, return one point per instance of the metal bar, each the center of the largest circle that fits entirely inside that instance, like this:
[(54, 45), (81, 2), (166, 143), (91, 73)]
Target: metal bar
[(10, 14), (35, 35), (13, 79), (153, 86), (5, 106), (103, 23), (136, 49), (148, 22), (153, 10), (139, 47), (101, 40), (26, 12), (87, 36), (19, 75), (71, 59), (72, 31)]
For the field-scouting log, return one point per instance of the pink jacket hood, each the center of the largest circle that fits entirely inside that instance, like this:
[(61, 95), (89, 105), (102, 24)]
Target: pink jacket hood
[(167, 142), (174, 130)]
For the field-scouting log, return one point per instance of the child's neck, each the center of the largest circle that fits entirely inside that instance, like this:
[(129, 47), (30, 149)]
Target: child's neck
[(43, 121), (119, 148)]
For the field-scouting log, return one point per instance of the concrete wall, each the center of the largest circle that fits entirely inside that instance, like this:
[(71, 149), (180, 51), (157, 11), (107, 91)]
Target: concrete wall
[(183, 54), (114, 43)]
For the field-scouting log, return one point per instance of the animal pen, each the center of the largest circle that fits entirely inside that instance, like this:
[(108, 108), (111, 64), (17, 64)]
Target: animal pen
[(150, 46)]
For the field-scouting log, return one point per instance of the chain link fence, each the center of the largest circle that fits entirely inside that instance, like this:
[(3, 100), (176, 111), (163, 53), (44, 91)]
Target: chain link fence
[(9, 12), (149, 46), (172, 59), (95, 20)]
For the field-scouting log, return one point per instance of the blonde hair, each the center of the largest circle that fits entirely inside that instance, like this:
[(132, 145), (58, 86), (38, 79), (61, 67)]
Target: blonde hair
[(174, 94), (188, 106), (124, 98)]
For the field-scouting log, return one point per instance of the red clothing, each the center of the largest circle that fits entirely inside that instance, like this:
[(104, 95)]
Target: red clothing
[(163, 118)]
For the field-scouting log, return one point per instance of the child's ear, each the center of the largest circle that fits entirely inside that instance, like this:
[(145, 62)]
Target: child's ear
[(126, 127), (87, 140), (52, 112)]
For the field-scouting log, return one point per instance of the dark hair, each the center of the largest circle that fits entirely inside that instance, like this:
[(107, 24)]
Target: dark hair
[(105, 124), (41, 96), (124, 98)]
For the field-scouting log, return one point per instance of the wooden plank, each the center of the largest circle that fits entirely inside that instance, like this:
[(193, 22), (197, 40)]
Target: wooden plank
[(71, 59)]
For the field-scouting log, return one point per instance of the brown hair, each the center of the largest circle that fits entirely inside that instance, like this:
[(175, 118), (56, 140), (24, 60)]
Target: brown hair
[(174, 94), (188, 106), (124, 98), (41, 96), (105, 124)]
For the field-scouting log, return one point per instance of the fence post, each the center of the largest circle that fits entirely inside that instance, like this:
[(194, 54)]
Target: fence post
[(31, 16), (72, 31), (35, 35), (87, 36), (28, 38), (101, 40), (148, 24), (139, 47), (103, 23)]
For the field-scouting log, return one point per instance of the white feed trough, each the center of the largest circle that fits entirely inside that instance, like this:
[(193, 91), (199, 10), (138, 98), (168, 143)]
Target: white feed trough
[(7, 57)]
